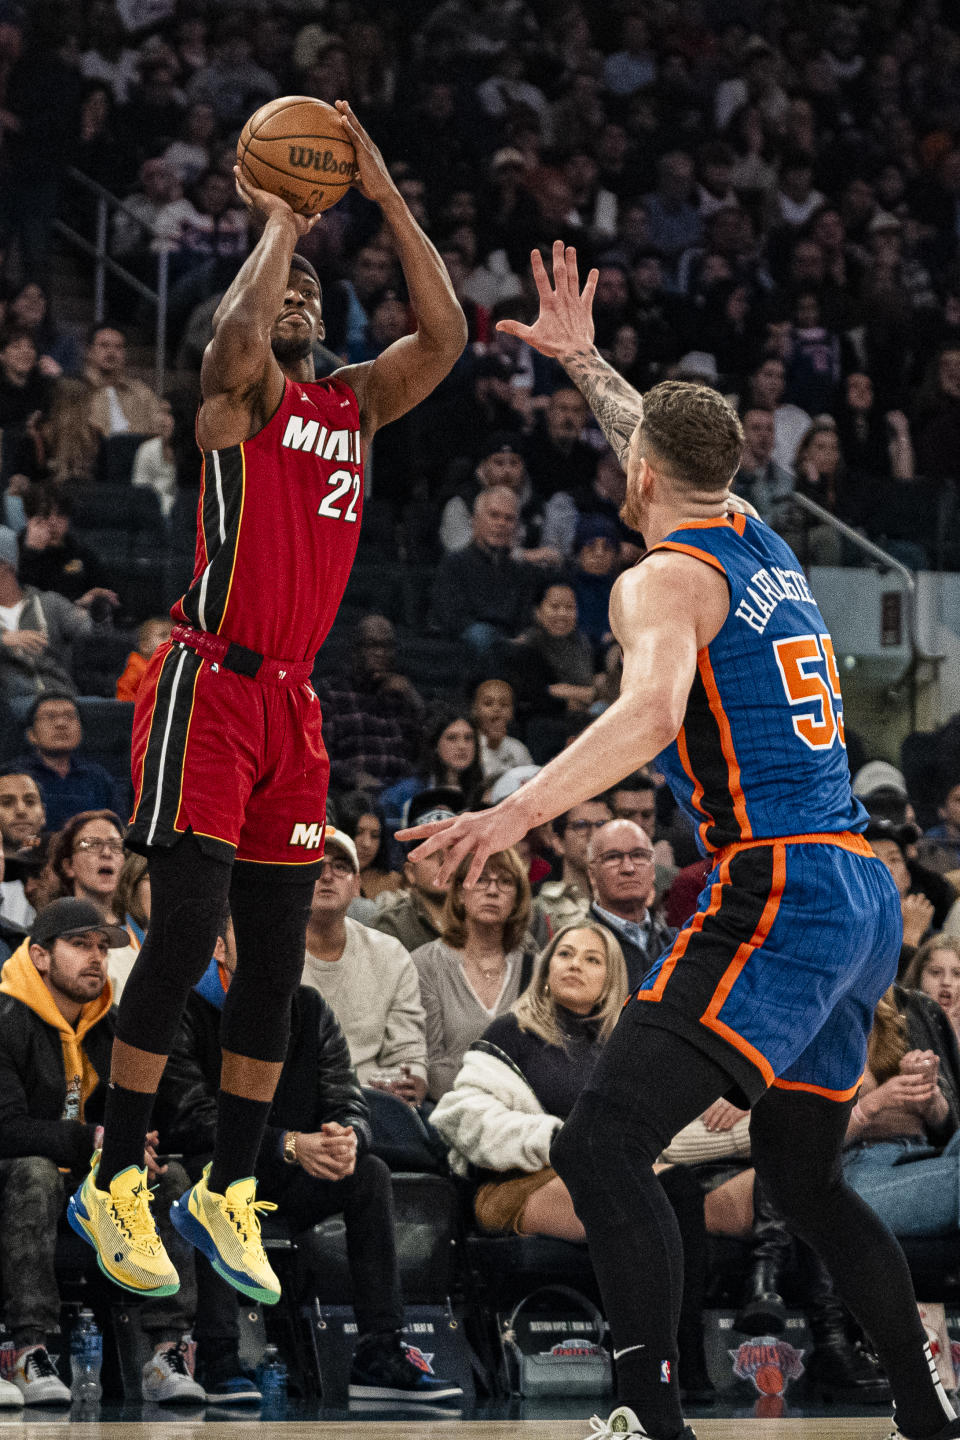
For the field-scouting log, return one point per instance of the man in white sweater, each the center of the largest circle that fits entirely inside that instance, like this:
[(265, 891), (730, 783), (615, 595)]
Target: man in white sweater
[(367, 977)]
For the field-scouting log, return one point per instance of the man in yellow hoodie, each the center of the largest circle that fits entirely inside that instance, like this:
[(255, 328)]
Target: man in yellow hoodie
[(56, 1034)]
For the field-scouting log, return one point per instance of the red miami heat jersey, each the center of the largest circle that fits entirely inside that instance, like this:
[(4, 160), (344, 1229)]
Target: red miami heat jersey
[(277, 525)]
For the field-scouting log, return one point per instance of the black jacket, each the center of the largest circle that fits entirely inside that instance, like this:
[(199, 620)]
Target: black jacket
[(477, 584), (638, 960), (33, 1087), (317, 1083), (929, 1029)]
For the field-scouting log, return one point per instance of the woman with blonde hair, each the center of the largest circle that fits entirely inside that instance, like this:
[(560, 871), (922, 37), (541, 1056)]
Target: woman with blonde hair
[(518, 1084), (479, 965), (935, 969)]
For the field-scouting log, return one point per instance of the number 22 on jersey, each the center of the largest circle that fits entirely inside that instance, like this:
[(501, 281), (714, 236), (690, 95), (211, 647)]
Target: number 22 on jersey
[(808, 669)]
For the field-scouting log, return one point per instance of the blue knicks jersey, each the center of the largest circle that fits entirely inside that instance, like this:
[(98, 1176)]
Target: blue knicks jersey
[(761, 752)]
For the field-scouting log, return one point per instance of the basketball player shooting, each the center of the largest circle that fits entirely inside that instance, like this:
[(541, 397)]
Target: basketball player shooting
[(229, 767), (767, 995)]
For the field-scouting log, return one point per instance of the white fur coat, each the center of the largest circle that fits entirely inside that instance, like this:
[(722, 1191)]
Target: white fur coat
[(492, 1119)]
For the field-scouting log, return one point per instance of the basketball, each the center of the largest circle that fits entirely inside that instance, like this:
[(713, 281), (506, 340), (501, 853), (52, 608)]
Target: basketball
[(296, 147)]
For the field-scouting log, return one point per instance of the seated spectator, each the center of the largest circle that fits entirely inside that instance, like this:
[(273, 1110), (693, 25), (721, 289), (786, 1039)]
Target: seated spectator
[(208, 237), (37, 632), (812, 357), (596, 564), (517, 1085), (155, 463), (151, 634), (935, 969), (29, 312), (414, 915), (492, 712), (135, 225), (554, 656), (674, 220), (56, 1035), (69, 443), (947, 830), (545, 529), (874, 442), (519, 1082), (567, 900), (482, 594), (890, 843), (190, 154), (12, 933), (820, 476), (86, 859), (478, 966), (366, 977), (372, 716), (231, 81), (116, 403), (635, 798), (557, 457), (937, 419), (22, 822), (360, 817), (765, 389), (314, 1162), (449, 756), (605, 496), (24, 388), (54, 560), (766, 485), (67, 782), (909, 1104), (620, 863)]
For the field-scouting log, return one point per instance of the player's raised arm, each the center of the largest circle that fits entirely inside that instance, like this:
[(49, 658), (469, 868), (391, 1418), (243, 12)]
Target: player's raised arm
[(564, 330), (409, 369), (662, 613), (239, 359)]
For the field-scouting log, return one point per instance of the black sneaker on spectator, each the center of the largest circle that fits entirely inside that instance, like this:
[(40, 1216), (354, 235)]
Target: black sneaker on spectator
[(224, 1380), (35, 1376), (385, 1368), (167, 1378)]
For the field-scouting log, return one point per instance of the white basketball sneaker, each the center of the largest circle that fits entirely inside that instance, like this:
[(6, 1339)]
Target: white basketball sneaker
[(10, 1396), (623, 1421)]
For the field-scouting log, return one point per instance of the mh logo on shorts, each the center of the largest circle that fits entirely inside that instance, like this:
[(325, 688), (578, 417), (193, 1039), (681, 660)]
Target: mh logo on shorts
[(309, 836)]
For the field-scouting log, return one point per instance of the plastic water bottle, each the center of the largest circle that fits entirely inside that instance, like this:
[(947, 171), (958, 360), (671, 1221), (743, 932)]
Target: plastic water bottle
[(273, 1379), (86, 1358)]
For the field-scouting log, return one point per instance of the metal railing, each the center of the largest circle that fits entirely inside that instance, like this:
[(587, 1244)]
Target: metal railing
[(919, 654), (107, 205)]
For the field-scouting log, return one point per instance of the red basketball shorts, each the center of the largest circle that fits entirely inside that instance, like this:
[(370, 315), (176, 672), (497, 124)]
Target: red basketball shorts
[(238, 761)]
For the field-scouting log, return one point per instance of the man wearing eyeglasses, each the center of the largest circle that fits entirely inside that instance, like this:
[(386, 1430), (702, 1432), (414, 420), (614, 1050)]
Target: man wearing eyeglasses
[(367, 977), (67, 782), (568, 899), (621, 870)]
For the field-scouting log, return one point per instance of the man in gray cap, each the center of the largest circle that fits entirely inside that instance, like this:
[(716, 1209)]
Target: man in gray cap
[(546, 530), (56, 1035), (37, 631)]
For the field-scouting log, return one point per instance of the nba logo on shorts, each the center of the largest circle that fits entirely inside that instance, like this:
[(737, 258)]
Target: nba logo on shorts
[(665, 1371)]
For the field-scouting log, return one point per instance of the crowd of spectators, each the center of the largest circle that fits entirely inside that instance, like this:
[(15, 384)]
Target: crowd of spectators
[(770, 196)]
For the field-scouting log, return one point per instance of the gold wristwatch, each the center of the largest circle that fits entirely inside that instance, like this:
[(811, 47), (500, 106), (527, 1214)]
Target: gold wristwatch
[(290, 1146)]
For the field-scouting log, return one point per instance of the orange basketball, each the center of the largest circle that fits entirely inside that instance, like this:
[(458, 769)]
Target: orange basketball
[(296, 147)]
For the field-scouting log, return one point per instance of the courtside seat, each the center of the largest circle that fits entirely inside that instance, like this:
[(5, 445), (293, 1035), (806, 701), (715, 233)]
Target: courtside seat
[(99, 660), (116, 457)]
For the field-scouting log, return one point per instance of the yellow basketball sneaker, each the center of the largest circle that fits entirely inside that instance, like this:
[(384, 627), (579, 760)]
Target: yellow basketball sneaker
[(119, 1224), (227, 1229)]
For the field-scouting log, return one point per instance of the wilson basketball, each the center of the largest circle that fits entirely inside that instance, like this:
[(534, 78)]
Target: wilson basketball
[(296, 147)]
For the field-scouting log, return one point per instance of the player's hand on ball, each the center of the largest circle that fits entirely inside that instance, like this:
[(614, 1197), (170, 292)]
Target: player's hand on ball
[(565, 322), (373, 178), (261, 205)]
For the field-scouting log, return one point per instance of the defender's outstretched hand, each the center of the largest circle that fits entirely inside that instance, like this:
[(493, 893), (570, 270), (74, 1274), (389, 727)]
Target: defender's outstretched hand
[(479, 833), (565, 322)]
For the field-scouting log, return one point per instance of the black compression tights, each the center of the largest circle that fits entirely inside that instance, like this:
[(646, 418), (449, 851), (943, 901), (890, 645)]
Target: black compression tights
[(649, 1084), (190, 891)]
